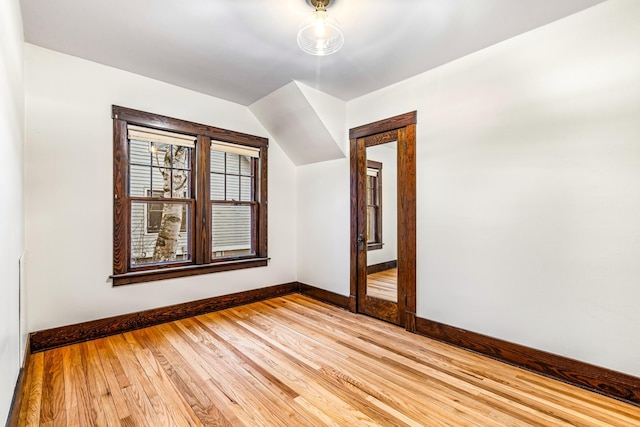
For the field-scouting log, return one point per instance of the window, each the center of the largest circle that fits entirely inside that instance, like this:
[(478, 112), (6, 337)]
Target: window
[(188, 198), (233, 171), (374, 205)]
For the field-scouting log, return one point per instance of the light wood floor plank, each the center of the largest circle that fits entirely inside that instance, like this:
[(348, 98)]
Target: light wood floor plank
[(446, 392), (316, 344), (218, 386), (70, 394), (230, 382), (52, 411), (140, 391), (101, 396), (293, 371), (30, 416), (170, 399), (293, 361), (514, 404), (269, 384), (187, 382), (228, 332), (127, 410), (337, 385), (379, 383)]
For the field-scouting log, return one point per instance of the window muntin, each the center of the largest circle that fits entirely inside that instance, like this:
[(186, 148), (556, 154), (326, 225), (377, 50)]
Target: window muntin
[(167, 169)]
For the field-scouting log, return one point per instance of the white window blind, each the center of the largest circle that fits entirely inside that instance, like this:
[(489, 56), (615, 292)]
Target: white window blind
[(242, 150), (372, 172), (140, 133)]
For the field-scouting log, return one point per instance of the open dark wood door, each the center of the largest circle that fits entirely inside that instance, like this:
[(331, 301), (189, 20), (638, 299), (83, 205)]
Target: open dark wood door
[(394, 304)]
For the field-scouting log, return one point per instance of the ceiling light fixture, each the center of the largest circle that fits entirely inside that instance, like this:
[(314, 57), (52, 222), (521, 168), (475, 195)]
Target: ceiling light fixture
[(320, 34)]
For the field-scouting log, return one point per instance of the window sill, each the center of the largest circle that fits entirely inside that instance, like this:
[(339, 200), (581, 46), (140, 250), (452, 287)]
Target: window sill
[(185, 271), (374, 246)]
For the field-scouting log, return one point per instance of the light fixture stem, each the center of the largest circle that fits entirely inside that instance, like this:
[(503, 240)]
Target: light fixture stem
[(321, 5)]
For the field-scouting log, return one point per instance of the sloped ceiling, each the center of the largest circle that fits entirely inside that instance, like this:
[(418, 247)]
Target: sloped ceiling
[(309, 125)]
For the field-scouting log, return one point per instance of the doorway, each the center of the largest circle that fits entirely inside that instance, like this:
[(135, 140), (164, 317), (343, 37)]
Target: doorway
[(383, 219)]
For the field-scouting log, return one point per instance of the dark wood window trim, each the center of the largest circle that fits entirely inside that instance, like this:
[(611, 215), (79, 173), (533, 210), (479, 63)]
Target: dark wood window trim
[(377, 204), (201, 227)]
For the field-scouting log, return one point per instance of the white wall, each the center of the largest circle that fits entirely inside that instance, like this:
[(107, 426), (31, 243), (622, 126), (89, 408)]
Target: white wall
[(11, 198), (69, 191), (387, 155), (528, 170), (323, 225)]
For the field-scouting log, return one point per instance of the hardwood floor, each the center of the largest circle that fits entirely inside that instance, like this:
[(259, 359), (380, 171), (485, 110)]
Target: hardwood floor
[(293, 361), (383, 285)]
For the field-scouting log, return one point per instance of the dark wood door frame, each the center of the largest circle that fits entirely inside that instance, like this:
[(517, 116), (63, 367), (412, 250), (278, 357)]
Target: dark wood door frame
[(400, 128)]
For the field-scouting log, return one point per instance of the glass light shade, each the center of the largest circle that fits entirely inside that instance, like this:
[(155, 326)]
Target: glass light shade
[(320, 34)]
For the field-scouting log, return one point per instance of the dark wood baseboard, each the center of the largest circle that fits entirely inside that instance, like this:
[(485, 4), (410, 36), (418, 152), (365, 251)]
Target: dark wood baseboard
[(383, 266), (325, 296), (65, 335), (595, 378), (19, 391)]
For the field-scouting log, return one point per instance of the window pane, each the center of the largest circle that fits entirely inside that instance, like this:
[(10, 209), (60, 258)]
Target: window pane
[(170, 241), (246, 187), (161, 154), (372, 190), (158, 181), (233, 163), (180, 184), (217, 161), (245, 165), (181, 157), (371, 224), (231, 230), (154, 214), (217, 186), (233, 188), (140, 152), (139, 180)]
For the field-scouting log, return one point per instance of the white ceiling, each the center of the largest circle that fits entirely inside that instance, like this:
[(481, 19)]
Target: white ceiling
[(242, 50)]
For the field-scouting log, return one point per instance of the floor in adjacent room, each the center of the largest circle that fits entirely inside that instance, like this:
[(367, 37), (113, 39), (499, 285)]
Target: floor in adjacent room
[(383, 285), (293, 361)]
